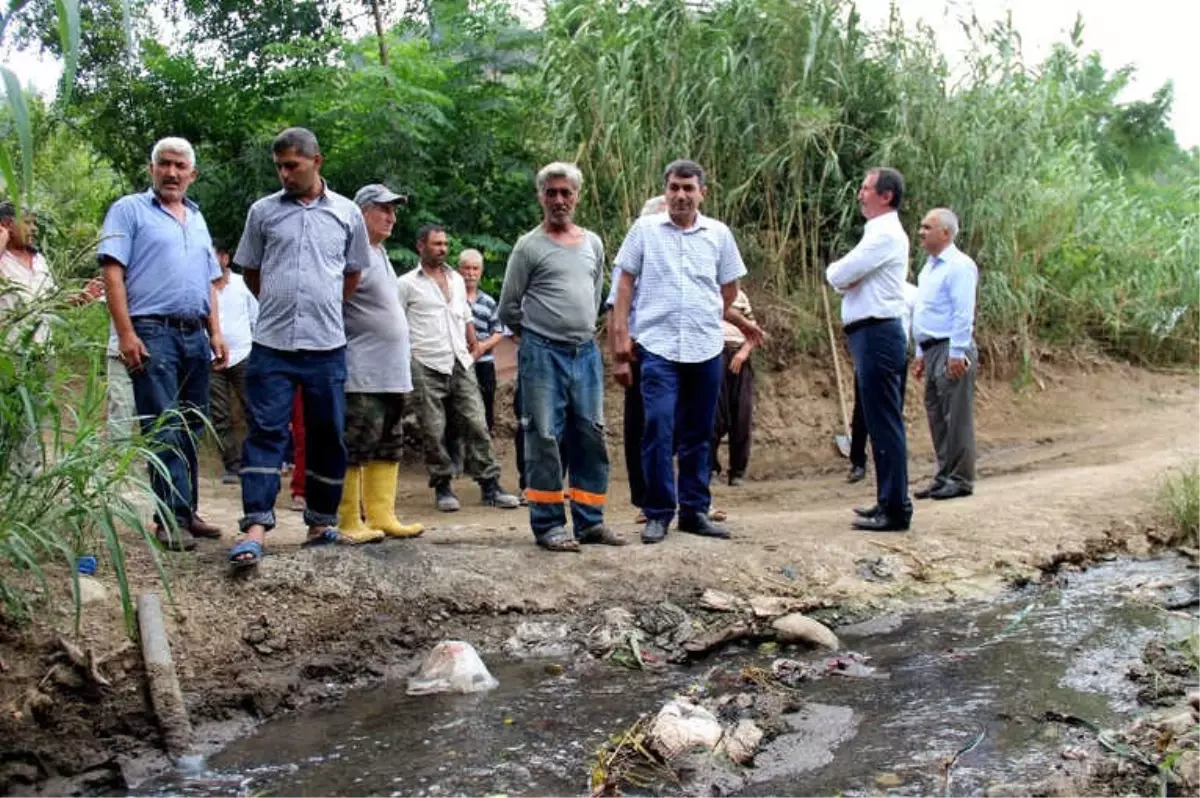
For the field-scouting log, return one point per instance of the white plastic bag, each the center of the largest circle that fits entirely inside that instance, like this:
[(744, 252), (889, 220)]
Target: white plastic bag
[(452, 667)]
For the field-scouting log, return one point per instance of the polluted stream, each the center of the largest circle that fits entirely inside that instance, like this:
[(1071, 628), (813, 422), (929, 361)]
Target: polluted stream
[(967, 682)]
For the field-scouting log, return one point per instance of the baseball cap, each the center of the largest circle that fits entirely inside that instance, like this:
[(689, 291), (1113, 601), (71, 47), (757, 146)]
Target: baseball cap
[(378, 194)]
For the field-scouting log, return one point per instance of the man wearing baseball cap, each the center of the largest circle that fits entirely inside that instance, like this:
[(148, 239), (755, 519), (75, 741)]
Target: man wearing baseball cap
[(378, 374)]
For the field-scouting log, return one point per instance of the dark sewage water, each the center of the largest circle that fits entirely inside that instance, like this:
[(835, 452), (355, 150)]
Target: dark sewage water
[(959, 674)]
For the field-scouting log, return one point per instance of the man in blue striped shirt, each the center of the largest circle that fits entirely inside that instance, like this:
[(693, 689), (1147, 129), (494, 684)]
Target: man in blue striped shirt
[(943, 324), (687, 268), (488, 330)]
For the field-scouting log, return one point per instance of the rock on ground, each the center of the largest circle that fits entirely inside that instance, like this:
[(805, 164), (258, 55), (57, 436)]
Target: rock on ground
[(799, 628)]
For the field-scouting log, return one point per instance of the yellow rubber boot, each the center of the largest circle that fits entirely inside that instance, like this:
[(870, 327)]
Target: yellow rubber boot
[(350, 522), (379, 499)]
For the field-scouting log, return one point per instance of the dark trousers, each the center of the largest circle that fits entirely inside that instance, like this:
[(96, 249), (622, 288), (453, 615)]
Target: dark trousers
[(171, 396), (950, 408), (272, 379), (681, 406), (485, 375), (735, 415), (879, 361), (225, 387), (374, 427), (858, 424), (634, 425)]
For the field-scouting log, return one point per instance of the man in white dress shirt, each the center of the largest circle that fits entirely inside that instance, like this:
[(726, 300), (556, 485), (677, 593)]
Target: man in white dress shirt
[(239, 313), (871, 279), (943, 325)]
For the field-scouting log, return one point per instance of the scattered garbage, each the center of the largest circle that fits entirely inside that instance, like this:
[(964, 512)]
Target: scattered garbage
[(742, 742), (452, 667), (681, 726)]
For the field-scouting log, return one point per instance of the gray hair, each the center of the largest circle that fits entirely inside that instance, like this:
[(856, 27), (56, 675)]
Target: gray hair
[(175, 145), (298, 140), (948, 220), (654, 205), (559, 169), (473, 255)]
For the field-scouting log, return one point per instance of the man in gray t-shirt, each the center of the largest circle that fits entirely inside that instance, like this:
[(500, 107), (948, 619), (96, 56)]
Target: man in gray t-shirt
[(378, 374), (552, 292)]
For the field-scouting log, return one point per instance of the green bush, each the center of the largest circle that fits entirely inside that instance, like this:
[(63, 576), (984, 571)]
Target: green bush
[(1179, 498)]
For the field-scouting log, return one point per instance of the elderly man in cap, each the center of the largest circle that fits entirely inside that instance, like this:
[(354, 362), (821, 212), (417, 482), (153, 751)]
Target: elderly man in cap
[(159, 279), (303, 251), (378, 374)]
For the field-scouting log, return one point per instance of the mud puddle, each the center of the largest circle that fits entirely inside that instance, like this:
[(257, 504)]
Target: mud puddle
[(969, 679)]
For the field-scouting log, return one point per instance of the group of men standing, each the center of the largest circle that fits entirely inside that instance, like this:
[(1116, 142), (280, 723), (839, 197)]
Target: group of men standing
[(872, 279), (330, 319)]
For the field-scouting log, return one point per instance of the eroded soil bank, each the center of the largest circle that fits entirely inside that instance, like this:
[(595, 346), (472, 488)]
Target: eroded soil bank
[(1067, 472)]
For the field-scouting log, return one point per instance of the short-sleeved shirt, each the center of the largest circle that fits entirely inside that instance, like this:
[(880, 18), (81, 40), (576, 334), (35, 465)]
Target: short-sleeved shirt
[(303, 253), (378, 351), (680, 273), (437, 325), (168, 264), (734, 336), (21, 285), (611, 302), (487, 321), (239, 315)]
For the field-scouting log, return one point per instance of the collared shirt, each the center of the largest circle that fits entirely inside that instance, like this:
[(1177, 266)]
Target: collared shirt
[(378, 354), (611, 302), (487, 321), (303, 253), (168, 264), (21, 284), (732, 334), (680, 274), (876, 269), (438, 325), (238, 310), (946, 300)]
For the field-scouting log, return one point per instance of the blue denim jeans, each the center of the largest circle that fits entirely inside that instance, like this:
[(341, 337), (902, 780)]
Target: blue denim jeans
[(562, 398), (175, 379), (680, 401), (272, 377), (880, 358)]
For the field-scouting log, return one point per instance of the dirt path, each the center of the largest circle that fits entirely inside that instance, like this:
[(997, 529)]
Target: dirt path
[(1062, 469)]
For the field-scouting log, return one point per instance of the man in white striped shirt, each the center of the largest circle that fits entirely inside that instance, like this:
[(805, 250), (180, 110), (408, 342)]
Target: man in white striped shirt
[(871, 279), (687, 268)]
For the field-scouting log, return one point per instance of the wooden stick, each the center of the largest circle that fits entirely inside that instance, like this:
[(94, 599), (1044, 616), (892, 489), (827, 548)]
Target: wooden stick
[(837, 361)]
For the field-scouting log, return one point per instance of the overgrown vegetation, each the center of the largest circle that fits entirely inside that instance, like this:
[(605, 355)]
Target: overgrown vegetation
[(1179, 499)]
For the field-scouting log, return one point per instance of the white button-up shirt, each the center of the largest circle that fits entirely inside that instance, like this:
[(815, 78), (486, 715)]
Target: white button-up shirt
[(437, 326), (876, 268), (679, 277), (238, 312), (21, 285), (946, 300)]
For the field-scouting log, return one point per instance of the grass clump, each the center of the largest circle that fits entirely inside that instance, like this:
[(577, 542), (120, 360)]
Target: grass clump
[(1179, 498)]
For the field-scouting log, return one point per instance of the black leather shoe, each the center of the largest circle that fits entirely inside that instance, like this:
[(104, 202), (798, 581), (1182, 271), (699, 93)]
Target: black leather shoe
[(867, 512), (702, 526), (654, 531), (926, 492), (857, 474), (951, 490), (881, 523)]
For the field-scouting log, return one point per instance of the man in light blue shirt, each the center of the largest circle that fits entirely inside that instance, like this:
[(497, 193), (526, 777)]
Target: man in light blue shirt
[(686, 267), (943, 325), (159, 274), (303, 252), (871, 279)]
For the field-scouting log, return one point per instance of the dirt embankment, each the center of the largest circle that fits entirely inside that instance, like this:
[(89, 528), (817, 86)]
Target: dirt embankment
[(1066, 470)]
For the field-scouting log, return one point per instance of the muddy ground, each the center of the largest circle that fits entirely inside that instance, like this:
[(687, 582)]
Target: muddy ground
[(1069, 468)]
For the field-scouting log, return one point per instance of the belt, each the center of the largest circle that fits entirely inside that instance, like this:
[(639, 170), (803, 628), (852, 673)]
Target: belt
[(930, 343), (862, 324), (185, 323)]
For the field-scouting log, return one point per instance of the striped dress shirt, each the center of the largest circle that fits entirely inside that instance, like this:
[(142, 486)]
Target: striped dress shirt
[(679, 276)]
